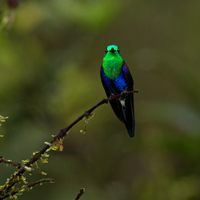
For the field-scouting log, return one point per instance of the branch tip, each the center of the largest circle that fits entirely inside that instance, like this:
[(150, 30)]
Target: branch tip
[(136, 91), (81, 192)]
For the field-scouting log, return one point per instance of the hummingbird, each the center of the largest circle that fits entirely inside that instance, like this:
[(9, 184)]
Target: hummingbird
[(117, 79)]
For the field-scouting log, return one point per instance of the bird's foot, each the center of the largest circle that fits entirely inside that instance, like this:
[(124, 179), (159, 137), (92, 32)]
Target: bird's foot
[(124, 93), (111, 97)]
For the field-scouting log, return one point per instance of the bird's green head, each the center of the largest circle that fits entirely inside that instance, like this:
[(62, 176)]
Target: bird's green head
[(112, 49), (112, 62)]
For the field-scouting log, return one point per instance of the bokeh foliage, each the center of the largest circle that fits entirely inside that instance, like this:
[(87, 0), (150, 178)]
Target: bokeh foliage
[(50, 56)]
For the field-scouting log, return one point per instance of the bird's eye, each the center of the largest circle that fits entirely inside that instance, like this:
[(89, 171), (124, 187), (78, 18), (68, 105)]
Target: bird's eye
[(106, 51), (118, 50)]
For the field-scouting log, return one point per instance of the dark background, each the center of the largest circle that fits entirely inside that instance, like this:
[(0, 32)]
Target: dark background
[(50, 58)]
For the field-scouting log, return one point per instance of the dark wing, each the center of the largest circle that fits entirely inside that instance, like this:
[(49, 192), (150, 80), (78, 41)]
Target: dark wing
[(105, 82), (128, 110), (128, 77)]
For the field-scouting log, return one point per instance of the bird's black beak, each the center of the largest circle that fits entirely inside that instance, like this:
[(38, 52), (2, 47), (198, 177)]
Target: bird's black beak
[(112, 50)]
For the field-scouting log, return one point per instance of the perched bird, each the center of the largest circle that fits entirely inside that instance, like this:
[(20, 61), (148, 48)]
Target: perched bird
[(116, 79)]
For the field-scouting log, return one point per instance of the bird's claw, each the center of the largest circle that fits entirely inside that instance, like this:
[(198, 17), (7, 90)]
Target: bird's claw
[(111, 97), (124, 93)]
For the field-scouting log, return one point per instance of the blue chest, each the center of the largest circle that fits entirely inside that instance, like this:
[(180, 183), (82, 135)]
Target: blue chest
[(117, 85)]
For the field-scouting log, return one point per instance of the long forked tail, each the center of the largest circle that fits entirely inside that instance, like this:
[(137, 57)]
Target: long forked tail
[(128, 114)]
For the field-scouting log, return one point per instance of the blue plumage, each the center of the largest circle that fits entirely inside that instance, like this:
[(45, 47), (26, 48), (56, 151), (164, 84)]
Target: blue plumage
[(120, 83)]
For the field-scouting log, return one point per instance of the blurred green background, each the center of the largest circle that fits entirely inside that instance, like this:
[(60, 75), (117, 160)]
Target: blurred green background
[(50, 56)]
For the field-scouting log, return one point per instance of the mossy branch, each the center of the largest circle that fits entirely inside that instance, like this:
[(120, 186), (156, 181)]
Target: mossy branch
[(27, 187), (9, 162), (17, 177)]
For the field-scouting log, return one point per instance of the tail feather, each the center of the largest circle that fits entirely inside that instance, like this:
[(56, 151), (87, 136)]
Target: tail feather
[(124, 110), (128, 113)]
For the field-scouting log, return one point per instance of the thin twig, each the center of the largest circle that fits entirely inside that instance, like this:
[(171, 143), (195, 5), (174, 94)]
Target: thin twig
[(13, 180), (29, 186), (15, 164), (81, 192)]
